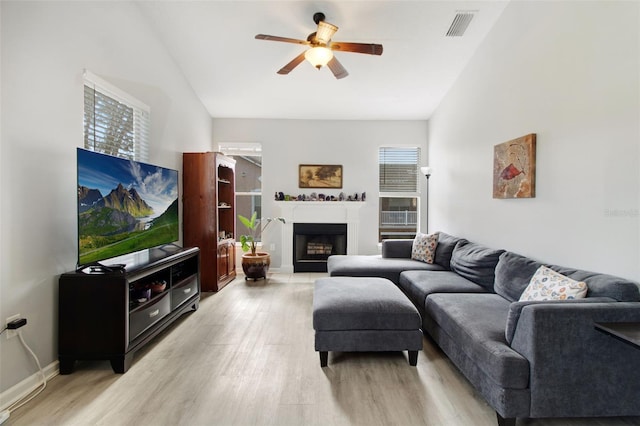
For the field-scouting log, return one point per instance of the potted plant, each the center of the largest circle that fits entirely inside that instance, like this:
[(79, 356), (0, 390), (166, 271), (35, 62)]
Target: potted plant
[(255, 264)]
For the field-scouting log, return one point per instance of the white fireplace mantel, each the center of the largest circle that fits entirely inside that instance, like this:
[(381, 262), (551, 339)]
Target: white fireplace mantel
[(317, 212)]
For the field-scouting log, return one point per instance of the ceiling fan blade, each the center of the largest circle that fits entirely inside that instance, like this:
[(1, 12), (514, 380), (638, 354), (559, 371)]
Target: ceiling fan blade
[(291, 65), (337, 69), (284, 39), (367, 48)]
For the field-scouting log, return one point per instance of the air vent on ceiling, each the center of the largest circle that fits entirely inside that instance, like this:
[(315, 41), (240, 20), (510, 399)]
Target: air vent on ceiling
[(460, 23)]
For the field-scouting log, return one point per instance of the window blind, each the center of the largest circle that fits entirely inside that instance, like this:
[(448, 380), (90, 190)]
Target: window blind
[(114, 122), (398, 169)]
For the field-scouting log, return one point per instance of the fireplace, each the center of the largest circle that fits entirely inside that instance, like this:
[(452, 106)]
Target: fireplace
[(313, 243), (317, 212)]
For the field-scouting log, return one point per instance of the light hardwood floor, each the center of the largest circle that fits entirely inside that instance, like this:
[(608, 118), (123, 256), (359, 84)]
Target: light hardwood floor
[(246, 357)]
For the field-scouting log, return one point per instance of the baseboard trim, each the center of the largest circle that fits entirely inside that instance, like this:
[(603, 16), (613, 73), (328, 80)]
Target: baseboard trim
[(28, 385)]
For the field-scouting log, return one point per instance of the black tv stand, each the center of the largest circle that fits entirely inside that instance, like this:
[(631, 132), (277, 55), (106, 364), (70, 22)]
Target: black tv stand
[(102, 316)]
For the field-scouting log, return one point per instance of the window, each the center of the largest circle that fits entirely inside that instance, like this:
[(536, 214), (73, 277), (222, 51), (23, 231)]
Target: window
[(399, 195), (248, 158), (114, 122)]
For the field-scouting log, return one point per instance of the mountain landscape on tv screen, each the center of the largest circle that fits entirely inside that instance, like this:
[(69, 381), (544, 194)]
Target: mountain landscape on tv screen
[(123, 206)]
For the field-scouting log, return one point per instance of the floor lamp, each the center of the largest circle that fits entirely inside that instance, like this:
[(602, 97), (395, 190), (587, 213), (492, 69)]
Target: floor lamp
[(426, 171)]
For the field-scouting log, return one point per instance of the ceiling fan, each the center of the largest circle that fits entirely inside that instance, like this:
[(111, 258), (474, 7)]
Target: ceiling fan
[(320, 52)]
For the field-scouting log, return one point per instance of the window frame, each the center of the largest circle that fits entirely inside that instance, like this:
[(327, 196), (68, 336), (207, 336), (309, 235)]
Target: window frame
[(141, 114), (415, 194), (244, 149)]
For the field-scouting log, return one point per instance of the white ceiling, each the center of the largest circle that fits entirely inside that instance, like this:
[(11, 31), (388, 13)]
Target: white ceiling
[(234, 75)]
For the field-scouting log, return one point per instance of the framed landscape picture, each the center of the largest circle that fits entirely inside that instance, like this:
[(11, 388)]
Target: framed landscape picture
[(514, 168), (319, 176)]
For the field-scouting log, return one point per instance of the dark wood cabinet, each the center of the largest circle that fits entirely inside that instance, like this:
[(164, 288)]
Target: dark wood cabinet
[(226, 260), (208, 200), (111, 314)]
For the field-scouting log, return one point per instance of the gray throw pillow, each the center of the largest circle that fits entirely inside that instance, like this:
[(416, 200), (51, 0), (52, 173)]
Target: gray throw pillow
[(513, 274), (444, 249), (476, 263)]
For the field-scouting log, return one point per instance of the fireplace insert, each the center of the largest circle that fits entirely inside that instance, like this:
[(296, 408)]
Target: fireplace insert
[(313, 243)]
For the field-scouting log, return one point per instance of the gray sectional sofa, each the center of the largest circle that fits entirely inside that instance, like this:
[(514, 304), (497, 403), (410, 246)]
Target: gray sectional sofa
[(527, 359)]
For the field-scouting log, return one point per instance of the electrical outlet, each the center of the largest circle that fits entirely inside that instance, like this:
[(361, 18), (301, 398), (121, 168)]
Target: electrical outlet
[(11, 333), (272, 246)]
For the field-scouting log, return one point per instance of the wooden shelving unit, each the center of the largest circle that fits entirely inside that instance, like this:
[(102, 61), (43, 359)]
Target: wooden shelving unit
[(209, 214)]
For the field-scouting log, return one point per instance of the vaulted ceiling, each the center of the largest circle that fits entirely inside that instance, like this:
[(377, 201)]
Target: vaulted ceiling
[(234, 74)]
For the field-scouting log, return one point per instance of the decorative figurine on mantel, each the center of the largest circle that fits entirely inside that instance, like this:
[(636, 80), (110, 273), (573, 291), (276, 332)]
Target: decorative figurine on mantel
[(281, 196)]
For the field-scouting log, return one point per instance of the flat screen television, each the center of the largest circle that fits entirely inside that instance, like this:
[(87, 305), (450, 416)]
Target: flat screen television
[(124, 206)]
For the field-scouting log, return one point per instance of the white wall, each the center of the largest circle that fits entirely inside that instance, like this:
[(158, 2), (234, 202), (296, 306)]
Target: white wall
[(569, 72), (45, 47), (353, 144)]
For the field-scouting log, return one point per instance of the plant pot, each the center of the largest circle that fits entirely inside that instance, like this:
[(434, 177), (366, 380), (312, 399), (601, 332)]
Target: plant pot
[(255, 266)]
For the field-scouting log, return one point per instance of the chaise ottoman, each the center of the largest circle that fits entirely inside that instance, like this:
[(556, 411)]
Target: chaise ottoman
[(358, 314)]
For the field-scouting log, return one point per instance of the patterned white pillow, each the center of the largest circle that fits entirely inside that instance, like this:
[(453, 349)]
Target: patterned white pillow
[(547, 284), (424, 247)]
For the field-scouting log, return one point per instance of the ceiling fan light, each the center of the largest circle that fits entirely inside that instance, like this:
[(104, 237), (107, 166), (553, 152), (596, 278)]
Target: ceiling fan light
[(318, 56), (325, 32)]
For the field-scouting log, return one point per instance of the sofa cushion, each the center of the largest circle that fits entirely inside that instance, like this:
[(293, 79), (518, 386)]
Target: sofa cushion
[(417, 285), (603, 285), (547, 284), (513, 274), (444, 249), (397, 248), (375, 266), (476, 263), (514, 271), (424, 247), (477, 323)]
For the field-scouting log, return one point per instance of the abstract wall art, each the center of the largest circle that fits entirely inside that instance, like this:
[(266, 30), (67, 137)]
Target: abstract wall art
[(514, 168)]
